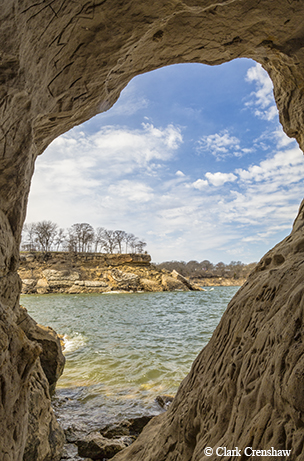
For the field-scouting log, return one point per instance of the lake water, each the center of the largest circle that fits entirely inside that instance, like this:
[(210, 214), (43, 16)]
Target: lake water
[(123, 350)]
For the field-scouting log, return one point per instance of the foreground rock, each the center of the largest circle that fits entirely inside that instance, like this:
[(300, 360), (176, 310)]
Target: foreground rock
[(59, 272), (62, 63), (246, 387), (45, 437), (51, 358), (104, 443), (95, 446)]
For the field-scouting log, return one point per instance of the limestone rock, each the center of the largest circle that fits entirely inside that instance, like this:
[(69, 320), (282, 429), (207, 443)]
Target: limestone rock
[(52, 359), (245, 388), (130, 427), (62, 63), (52, 275), (95, 446), (95, 284), (150, 285), (45, 437), (18, 356), (164, 401), (171, 283)]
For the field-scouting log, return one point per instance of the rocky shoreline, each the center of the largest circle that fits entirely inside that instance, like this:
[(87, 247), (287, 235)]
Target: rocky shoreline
[(59, 272), (104, 443)]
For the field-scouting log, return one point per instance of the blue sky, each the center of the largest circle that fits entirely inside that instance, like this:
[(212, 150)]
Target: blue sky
[(191, 158)]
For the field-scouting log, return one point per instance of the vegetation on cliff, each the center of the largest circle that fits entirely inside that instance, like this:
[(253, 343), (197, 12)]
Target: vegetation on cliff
[(80, 237), (195, 270)]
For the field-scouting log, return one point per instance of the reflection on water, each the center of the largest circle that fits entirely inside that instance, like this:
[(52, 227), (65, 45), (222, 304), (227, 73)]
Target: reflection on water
[(124, 350)]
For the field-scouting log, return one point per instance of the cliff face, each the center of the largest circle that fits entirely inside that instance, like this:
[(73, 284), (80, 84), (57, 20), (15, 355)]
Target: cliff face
[(95, 273), (61, 63)]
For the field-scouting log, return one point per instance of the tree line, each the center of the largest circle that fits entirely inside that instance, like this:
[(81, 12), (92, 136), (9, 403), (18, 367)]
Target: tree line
[(206, 269), (79, 238)]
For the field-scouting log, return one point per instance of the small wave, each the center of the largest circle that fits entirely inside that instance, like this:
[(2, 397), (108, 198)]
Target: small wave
[(73, 342)]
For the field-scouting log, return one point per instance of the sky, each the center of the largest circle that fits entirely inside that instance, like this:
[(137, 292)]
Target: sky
[(192, 159)]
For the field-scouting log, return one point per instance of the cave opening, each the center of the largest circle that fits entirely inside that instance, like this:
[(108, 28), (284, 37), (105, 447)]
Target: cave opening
[(193, 158), (64, 62)]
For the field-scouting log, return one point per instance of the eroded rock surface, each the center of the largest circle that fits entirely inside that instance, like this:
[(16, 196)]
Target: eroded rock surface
[(246, 387), (59, 272), (61, 62)]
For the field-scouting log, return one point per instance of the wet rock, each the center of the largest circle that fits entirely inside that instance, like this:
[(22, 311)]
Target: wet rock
[(131, 427), (70, 453), (164, 401), (97, 447), (75, 432)]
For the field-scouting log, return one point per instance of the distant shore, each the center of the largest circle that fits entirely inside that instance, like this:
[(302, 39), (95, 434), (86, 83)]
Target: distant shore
[(219, 282)]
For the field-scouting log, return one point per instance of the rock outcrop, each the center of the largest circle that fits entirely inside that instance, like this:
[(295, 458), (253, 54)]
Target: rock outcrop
[(51, 358), (246, 388), (96, 273), (62, 62)]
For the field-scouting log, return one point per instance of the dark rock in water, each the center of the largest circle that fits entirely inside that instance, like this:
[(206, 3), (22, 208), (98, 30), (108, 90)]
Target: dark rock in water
[(74, 432), (70, 453), (164, 400), (97, 447), (131, 427)]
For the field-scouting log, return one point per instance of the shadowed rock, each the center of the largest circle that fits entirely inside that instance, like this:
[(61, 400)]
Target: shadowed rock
[(63, 62)]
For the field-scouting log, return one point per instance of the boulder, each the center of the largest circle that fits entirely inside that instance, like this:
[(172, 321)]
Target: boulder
[(150, 285), (97, 447), (171, 283), (130, 427), (164, 401)]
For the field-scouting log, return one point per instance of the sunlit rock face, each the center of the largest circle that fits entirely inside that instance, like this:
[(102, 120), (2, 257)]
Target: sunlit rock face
[(64, 61)]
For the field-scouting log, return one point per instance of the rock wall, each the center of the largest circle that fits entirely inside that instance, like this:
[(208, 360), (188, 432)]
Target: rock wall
[(246, 387), (61, 62), (60, 272)]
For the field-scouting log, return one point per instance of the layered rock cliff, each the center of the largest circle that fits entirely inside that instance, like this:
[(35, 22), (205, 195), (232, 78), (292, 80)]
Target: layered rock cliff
[(60, 272), (61, 62)]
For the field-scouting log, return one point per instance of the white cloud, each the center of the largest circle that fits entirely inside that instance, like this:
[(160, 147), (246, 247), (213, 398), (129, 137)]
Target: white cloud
[(285, 167), (218, 179), (133, 191), (221, 145), (180, 174), (262, 99), (200, 184)]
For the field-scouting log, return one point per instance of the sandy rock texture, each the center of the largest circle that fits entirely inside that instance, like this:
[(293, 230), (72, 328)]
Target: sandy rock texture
[(60, 272), (246, 387), (63, 61)]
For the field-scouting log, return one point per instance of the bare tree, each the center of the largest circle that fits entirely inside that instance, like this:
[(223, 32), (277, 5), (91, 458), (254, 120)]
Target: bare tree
[(129, 240), (70, 243), (99, 238), (120, 237), (59, 239), (82, 236), (140, 246), (29, 237), (109, 241), (45, 232)]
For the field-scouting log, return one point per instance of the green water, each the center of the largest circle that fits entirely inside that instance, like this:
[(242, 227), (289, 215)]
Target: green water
[(123, 350)]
